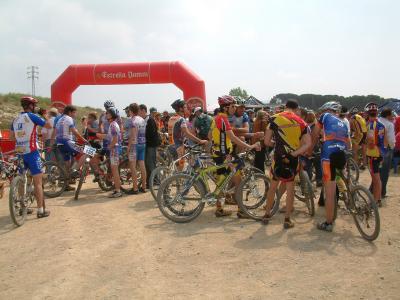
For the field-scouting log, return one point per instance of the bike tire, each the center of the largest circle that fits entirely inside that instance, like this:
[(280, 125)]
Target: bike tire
[(156, 177), (103, 183), (355, 170), (172, 213), (364, 207), (254, 210), (55, 175), (307, 191), (18, 214), (81, 180), (126, 177)]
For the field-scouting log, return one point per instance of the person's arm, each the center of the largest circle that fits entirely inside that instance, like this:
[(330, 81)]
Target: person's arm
[(306, 144), (78, 135), (237, 141), (132, 136), (315, 135)]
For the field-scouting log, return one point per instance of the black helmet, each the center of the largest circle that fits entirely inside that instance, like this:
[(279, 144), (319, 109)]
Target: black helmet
[(108, 104), (177, 104), (113, 112)]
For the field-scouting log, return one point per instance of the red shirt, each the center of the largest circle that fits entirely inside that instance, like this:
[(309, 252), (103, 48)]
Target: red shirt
[(397, 144), (397, 125)]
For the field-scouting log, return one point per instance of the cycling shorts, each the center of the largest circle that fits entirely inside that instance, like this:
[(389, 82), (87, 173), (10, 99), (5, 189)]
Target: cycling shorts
[(140, 151), (113, 154), (284, 169), (68, 149), (360, 140), (33, 162), (374, 164), (336, 161)]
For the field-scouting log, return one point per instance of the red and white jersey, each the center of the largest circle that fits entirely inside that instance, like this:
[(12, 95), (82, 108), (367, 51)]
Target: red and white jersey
[(24, 128)]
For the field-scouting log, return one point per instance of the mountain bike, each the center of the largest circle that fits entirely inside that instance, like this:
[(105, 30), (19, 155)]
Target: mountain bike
[(182, 197)]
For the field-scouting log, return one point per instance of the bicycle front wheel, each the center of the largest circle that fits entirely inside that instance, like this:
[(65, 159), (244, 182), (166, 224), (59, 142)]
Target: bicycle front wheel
[(157, 176), (81, 180), (54, 179), (17, 204), (365, 213), (179, 198), (251, 195)]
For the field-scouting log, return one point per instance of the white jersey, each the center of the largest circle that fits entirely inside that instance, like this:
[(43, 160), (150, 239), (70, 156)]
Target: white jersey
[(25, 130), (63, 129)]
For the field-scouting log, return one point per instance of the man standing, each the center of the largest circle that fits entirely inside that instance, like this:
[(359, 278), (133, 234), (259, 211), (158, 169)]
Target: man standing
[(292, 138), (202, 123), (152, 140), (47, 134), (376, 148), (23, 131), (387, 120)]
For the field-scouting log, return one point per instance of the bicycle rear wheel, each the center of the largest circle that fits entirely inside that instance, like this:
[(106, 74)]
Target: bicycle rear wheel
[(305, 192), (157, 176), (103, 182), (354, 169), (180, 199), (17, 205), (54, 179), (81, 180), (365, 213), (251, 196)]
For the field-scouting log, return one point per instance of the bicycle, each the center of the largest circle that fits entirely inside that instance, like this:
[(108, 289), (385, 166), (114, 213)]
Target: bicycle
[(360, 203), (174, 207), (21, 195), (89, 153)]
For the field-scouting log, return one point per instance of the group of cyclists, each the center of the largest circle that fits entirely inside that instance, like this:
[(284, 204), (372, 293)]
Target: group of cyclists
[(317, 140)]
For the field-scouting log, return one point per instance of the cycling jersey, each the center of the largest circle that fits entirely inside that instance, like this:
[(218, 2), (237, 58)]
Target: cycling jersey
[(140, 124), (63, 129), (222, 144), (288, 129), (375, 138), (114, 152), (358, 129), (239, 121), (177, 131), (335, 139), (25, 131)]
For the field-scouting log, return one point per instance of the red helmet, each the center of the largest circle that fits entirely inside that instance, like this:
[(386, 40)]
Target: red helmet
[(226, 100), (25, 101)]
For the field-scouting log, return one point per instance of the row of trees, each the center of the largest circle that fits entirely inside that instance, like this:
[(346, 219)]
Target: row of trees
[(314, 101)]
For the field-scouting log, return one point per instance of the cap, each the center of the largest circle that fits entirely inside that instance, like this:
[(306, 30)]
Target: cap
[(198, 108), (53, 110)]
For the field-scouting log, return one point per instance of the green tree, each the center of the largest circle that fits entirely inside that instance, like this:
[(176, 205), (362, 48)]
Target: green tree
[(239, 92)]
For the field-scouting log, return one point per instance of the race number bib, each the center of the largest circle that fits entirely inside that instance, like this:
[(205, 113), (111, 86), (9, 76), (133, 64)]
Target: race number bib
[(89, 150)]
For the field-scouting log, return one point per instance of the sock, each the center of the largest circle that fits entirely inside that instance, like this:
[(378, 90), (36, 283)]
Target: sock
[(40, 210)]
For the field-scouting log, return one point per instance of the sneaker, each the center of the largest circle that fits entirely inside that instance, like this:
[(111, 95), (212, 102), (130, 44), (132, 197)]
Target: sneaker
[(325, 226), (265, 219), (44, 214), (132, 192), (241, 215), (379, 203), (288, 224), (220, 212), (96, 179), (115, 194), (142, 190)]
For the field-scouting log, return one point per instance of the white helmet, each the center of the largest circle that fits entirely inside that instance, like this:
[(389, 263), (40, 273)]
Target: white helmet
[(332, 105)]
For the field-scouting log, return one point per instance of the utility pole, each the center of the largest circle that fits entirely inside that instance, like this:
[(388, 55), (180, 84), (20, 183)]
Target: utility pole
[(33, 73)]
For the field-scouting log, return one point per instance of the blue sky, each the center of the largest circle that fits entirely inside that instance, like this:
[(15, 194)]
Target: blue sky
[(266, 47)]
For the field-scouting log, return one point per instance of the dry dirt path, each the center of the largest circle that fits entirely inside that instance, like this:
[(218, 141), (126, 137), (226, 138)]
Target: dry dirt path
[(100, 248)]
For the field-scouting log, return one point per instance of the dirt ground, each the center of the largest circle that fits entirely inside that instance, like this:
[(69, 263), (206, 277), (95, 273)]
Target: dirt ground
[(100, 248)]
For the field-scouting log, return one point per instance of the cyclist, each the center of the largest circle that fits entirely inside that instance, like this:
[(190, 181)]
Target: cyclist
[(221, 133), (113, 140), (65, 130), (358, 128), (336, 140), (23, 131), (377, 143), (137, 148), (104, 123), (292, 138), (180, 129)]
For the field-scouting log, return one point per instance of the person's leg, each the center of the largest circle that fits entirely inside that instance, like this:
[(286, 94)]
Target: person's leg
[(330, 190), (355, 150), (47, 150), (318, 169), (37, 183), (271, 196), (132, 165), (143, 173), (385, 170), (147, 163), (259, 159)]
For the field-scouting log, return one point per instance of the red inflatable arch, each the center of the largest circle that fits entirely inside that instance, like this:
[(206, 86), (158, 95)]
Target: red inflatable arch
[(177, 73)]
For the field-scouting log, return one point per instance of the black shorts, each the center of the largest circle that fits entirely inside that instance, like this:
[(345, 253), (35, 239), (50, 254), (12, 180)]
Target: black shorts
[(219, 160), (284, 169), (374, 164), (337, 161)]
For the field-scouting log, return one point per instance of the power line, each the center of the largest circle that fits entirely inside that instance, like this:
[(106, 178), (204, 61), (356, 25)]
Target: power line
[(33, 73)]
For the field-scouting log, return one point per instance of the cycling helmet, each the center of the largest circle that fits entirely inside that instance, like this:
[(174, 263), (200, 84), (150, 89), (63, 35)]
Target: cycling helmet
[(108, 104), (371, 107), (113, 111), (25, 101), (239, 101), (332, 105), (177, 104), (354, 110), (226, 100)]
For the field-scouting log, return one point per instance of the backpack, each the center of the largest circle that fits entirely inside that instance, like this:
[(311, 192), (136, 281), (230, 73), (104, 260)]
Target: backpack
[(203, 125)]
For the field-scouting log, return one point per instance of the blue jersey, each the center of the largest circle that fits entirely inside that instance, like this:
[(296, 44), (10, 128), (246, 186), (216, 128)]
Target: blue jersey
[(335, 134), (63, 128), (25, 132)]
